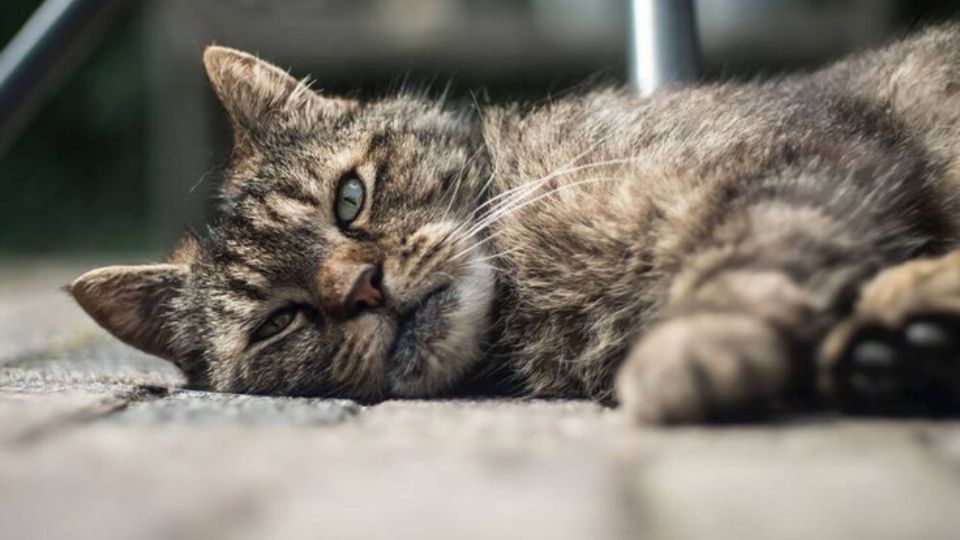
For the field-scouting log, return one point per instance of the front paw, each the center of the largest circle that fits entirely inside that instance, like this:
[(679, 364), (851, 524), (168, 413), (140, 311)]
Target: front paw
[(899, 352), (911, 367), (704, 367)]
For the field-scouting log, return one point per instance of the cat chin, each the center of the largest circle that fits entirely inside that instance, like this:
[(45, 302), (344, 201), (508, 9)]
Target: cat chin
[(439, 343)]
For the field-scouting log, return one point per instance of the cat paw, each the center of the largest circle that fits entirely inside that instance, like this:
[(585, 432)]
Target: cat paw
[(899, 353), (909, 368), (704, 368)]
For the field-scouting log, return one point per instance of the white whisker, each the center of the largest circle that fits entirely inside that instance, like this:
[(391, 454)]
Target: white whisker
[(527, 203), (518, 193)]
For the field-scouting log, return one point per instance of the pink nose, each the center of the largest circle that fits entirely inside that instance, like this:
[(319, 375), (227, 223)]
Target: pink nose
[(365, 291)]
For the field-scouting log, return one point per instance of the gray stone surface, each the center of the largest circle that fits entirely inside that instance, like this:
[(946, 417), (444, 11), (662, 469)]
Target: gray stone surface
[(833, 479), (95, 364), (97, 441), (193, 408), (36, 316), (25, 417)]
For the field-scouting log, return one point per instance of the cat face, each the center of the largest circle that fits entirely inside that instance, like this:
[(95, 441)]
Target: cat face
[(346, 262)]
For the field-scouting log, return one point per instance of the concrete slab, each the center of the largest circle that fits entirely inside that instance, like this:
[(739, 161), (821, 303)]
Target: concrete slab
[(843, 479), (193, 408), (97, 441)]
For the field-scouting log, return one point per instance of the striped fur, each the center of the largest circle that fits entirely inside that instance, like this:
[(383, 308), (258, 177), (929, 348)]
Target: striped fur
[(701, 242)]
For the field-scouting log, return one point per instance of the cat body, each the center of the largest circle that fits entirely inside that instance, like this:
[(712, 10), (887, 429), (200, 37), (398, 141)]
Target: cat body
[(701, 254), (827, 177)]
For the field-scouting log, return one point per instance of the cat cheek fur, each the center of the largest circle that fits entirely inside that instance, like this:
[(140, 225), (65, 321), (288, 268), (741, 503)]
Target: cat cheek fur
[(440, 256), (448, 359)]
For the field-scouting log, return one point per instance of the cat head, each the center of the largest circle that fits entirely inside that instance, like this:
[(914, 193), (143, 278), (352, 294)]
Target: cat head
[(346, 262)]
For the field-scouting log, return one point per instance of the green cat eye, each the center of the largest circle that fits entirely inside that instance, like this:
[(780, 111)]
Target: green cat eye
[(350, 195), (277, 323)]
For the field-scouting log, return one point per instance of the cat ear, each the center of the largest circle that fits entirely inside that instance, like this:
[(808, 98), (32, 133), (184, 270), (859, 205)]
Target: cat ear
[(259, 96), (134, 303)]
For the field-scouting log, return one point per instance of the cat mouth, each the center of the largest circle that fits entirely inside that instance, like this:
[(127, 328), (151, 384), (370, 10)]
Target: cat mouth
[(418, 327)]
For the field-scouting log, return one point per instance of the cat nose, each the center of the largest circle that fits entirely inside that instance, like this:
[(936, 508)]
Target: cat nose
[(366, 291)]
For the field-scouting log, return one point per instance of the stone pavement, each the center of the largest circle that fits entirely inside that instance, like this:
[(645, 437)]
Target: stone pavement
[(97, 442)]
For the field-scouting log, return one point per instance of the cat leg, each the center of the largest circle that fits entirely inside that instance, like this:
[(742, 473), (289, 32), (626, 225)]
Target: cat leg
[(899, 353), (758, 274), (727, 352)]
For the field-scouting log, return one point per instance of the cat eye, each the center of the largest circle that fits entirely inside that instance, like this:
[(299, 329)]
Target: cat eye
[(276, 323), (350, 199)]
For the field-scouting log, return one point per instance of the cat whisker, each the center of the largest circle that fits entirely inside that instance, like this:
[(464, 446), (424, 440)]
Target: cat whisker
[(560, 171), (453, 197), (476, 245), (484, 189), (526, 188), (518, 205), (460, 176), (486, 260), (518, 193), (426, 267)]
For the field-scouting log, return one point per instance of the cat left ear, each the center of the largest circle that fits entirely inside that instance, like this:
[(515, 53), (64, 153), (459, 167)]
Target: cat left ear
[(134, 304), (259, 96)]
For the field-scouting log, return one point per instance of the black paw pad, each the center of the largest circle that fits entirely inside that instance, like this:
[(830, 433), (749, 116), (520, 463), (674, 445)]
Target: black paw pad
[(914, 369), (934, 348), (871, 374)]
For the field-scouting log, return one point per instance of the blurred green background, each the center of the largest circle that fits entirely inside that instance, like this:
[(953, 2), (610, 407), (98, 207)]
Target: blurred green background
[(77, 180), (74, 180)]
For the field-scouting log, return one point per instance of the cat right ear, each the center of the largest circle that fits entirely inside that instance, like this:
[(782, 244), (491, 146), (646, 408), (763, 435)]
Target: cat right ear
[(134, 303), (260, 97)]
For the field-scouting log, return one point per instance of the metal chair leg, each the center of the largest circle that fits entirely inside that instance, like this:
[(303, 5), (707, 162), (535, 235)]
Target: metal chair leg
[(37, 57), (664, 48)]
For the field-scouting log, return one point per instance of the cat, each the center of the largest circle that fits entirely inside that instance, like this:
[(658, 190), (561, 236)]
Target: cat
[(718, 252)]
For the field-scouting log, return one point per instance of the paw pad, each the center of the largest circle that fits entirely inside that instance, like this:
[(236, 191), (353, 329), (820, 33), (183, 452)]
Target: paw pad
[(914, 369)]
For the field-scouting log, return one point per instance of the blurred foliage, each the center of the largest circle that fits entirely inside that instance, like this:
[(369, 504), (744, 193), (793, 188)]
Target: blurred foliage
[(74, 181)]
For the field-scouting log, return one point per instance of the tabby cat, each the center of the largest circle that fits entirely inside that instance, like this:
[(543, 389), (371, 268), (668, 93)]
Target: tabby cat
[(711, 253)]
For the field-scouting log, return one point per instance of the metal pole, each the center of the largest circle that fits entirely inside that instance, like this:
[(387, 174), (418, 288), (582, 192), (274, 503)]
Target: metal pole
[(40, 54), (663, 44)]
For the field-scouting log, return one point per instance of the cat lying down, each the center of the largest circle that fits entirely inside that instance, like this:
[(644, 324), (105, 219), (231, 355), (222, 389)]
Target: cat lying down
[(712, 253)]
